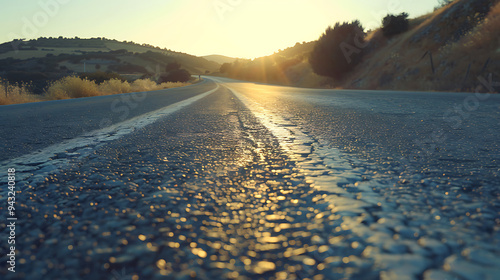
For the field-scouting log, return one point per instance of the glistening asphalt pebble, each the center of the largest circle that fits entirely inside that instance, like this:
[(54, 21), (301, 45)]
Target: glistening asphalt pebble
[(207, 193)]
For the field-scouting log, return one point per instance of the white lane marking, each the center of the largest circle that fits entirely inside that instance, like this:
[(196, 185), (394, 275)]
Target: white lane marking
[(327, 168), (35, 167)]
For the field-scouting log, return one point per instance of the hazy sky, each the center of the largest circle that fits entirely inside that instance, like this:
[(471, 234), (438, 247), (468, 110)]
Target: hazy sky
[(238, 28)]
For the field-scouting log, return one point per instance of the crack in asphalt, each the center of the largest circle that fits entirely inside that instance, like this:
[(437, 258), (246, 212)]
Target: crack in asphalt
[(225, 189), (55, 158)]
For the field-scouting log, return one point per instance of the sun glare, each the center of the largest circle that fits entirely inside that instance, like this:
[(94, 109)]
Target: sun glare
[(246, 29)]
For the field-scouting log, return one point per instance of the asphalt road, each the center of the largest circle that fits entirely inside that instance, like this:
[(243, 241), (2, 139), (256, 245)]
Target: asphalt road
[(236, 180), (34, 126)]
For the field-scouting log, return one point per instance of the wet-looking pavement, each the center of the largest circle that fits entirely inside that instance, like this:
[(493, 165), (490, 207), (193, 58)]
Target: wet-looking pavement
[(224, 189)]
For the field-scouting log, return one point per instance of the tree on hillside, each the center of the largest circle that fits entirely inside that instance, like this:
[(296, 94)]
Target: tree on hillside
[(338, 50), (393, 25)]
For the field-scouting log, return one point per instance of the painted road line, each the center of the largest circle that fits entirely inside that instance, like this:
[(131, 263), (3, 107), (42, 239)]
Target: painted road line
[(35, 167), (328, 169)]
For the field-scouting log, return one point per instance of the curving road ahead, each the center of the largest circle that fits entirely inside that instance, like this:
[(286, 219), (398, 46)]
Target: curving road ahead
[(235, 180)]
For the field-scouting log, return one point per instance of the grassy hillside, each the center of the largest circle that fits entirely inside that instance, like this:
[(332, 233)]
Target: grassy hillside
[(221, 59), (462, 37), (48, 59)]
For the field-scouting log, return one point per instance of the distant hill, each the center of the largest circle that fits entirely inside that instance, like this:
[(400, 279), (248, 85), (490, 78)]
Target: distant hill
[(45, 59), (221, 59)]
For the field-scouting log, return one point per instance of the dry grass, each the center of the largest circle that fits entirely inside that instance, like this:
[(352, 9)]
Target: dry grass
[(398, 64), (482, 37), (16, 94), (74, 87), (115, 86), (475, 48), (302, 75), (148, 85)]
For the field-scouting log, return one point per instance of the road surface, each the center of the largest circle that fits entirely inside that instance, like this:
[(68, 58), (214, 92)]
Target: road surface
[(235, 180)]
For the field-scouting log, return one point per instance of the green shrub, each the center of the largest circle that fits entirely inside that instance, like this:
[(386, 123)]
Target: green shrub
[(180, 75), (338, 50), (127, 68), (394, 25)]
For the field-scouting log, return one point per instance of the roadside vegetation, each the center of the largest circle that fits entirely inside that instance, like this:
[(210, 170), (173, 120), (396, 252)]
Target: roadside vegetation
[(48, 68), (93, 84), (77, 87), (445, 50), (393, 25), (15, 93), (339, 50)]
